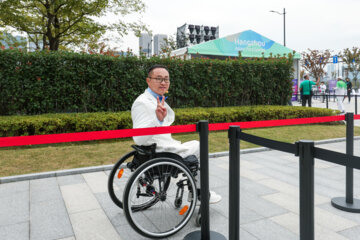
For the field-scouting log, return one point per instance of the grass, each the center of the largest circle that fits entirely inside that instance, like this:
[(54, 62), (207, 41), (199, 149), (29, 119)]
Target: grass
[(42, 158)]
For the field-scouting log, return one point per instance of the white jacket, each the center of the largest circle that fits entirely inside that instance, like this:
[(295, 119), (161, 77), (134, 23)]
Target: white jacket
[(143, 115)]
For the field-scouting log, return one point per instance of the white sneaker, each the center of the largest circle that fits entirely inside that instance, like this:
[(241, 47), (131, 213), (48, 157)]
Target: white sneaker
[(214, 197)]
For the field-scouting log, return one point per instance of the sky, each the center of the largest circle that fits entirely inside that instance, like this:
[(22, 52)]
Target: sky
[(314, 24)]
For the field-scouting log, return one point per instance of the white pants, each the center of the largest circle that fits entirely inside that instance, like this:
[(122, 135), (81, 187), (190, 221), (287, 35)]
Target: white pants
[(340, 104)]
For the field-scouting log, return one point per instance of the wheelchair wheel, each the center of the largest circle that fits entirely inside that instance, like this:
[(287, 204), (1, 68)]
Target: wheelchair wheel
[(160, 198), (118, 178)]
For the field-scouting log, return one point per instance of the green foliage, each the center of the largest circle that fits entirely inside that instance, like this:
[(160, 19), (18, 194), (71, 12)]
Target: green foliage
[(352, 60), (314, 61), (82, 122), (58, 24), (64, 82)]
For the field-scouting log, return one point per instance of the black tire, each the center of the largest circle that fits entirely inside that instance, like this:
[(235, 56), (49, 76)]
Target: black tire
[(117, 196), (159, 218)]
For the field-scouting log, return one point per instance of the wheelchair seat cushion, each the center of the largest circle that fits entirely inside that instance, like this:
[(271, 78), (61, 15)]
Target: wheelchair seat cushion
[(192, 163), (145, 153), (145, 150)]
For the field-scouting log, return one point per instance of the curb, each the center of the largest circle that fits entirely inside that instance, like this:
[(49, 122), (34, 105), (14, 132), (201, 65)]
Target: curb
[(67, 172)]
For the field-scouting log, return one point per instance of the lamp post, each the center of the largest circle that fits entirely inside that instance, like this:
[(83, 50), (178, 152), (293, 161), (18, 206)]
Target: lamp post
[(284, 21)]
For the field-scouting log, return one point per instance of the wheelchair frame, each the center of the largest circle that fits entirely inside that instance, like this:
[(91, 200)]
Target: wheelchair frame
[(146, 158)]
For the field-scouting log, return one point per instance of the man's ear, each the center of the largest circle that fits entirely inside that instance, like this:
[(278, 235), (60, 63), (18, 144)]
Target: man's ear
[(147, 80)]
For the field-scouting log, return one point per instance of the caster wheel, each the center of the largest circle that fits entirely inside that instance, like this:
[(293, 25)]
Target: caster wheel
[(198, 220)]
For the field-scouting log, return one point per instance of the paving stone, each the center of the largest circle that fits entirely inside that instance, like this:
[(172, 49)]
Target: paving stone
[(280, 176), (44, 190), (244, 235), (116, 216), (79, 198), (126, 232), (93, 225), (49, 220), (290, 190), (328, 192), (14, 208), (97, 181), (249, 165), (269, 230), (331, 221), (351, 233), (254, 187), (261, 206), (329, 183), (247, 215), (288, 220), (283, 200), (14, 187), (323, 165), (112, 211), (104, 200), (18, 231), (348, 215), (253, 175), (291, 222), (70, 179)]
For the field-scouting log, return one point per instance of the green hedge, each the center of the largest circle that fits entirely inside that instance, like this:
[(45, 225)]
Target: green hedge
[(80, 122), (64, 82)]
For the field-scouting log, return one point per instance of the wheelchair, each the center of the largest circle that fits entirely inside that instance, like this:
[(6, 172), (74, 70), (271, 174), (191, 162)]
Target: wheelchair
[(156, 190)]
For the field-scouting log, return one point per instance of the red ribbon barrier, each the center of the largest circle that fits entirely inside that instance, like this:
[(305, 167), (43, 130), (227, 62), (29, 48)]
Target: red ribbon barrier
[(100, 135)]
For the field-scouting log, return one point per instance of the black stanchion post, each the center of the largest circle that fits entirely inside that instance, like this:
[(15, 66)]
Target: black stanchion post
[(349, 117), (205, 233), (327, 101), (355, 104), (306, 166), (234, 182), (348, 204)]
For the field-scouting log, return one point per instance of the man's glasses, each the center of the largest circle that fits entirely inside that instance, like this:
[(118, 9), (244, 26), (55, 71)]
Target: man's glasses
[(160, 80)]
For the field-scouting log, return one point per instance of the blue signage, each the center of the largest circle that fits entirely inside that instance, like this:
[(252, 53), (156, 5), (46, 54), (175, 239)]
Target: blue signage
[(335, 59)]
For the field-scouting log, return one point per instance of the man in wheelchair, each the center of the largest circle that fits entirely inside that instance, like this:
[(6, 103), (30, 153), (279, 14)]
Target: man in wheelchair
[(151, 110)]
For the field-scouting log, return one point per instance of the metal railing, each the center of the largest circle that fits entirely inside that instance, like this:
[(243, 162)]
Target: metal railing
[(307, 152)]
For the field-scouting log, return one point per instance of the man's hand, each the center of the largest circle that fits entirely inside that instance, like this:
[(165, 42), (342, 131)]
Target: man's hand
[(161, 111)]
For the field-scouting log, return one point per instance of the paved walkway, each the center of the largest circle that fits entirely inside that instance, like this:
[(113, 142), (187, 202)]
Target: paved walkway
[(78, 206)]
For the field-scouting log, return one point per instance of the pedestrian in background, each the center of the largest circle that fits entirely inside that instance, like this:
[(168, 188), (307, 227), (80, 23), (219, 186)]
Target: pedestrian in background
[(322, 90), (305, 90), (349, 88), (340, 90)]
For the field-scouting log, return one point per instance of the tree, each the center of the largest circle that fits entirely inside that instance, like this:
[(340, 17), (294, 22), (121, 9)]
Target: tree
[(168, 46), (314, 61), (352, 59), (56, 24)]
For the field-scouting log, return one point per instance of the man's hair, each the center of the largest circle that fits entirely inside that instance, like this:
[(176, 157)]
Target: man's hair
[(156, 66)]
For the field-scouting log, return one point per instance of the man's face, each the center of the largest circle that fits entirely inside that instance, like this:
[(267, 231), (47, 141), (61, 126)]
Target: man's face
[(154, 83)]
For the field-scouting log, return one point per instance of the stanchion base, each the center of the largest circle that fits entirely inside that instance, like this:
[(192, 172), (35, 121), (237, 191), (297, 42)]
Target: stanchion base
[(340, 203), (197, 236)]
